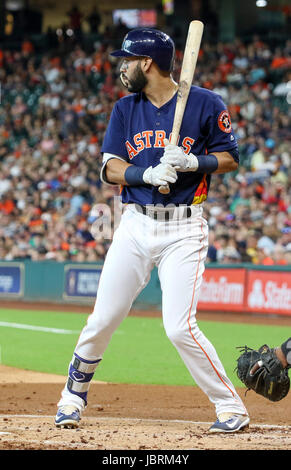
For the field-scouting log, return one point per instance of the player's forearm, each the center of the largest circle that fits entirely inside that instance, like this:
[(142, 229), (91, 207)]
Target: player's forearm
[(214, 162), (120, 172), (115, 170), (226, 162)]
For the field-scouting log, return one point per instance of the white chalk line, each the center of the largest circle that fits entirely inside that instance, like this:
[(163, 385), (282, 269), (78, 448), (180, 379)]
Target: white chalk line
[(149, 420), (45, 329)]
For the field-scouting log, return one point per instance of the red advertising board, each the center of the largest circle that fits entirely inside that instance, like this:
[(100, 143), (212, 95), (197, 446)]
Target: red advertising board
[(269, 292), (223, 289)]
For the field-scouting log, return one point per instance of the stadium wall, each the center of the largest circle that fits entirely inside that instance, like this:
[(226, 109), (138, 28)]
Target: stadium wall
[(233, 288)]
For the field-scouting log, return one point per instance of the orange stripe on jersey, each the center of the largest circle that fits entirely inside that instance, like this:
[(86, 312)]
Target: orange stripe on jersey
[(201, 192), (189, 315)]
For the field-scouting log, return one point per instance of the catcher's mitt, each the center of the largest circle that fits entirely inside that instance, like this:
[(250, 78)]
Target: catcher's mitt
[(270, 379)]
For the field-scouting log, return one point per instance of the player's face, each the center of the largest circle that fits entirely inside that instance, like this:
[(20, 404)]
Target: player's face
[(132, 76)]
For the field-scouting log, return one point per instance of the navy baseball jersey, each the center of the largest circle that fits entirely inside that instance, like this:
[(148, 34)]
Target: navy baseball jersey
[(136, 133)]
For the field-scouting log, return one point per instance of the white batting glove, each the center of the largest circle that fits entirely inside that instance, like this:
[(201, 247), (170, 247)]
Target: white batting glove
[(160, 175), (175, 156)]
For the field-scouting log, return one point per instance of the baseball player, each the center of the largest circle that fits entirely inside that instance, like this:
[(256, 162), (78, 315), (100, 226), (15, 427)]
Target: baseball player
[(163, 230)]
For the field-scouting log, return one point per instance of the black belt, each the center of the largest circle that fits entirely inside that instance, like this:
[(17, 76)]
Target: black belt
[(166, 215)]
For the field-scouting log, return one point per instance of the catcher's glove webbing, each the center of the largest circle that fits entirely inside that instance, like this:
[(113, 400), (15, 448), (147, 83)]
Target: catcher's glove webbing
[(270, 379)]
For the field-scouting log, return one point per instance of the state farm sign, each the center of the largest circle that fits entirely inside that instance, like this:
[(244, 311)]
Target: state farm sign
[(246, 290), (269, 292), (222, 289)]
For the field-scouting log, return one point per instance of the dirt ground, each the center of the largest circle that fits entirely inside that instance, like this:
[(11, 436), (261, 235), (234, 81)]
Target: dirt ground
[(134, 417)]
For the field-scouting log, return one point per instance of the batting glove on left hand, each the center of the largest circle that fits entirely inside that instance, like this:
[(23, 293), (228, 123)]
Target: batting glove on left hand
[(160, 175), (175, 156)]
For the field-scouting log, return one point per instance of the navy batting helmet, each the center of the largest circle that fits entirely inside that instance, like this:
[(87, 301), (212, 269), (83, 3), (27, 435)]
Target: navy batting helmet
[(148, 42)]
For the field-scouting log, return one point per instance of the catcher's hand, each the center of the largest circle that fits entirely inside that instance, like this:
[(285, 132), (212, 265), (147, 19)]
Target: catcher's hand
[(262, 372)]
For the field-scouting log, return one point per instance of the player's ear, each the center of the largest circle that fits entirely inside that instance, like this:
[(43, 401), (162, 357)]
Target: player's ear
[(146, 63)]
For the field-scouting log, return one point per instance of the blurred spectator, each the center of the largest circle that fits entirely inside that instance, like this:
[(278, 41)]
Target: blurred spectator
[(27, 48), (69, 121), (230, 255), (75, 16), (94, 20)]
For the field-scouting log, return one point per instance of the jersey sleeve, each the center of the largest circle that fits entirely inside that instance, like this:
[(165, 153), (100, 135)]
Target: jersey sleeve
[(114, 139), (219, 128)]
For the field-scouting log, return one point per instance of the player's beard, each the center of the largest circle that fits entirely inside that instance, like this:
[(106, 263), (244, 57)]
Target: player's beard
[(137, 82)]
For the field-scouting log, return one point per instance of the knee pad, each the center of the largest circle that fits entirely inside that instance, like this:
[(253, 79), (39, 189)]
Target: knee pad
[(81, 372)]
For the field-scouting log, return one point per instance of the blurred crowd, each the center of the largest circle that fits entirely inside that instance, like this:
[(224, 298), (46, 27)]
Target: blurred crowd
[(54, 111)]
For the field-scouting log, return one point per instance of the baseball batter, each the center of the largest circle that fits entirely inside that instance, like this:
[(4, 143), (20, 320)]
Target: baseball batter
[(167, 231)]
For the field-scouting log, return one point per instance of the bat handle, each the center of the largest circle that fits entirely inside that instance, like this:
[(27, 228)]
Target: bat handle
[(164, 189)]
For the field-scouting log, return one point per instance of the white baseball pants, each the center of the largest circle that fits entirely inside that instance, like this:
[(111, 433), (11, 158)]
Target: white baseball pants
[(178, 248)]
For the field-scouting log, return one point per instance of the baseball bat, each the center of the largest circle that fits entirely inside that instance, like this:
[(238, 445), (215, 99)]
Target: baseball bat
[(191, 52)]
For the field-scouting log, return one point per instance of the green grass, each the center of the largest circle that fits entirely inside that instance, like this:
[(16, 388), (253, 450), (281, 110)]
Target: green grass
[(139, 351)]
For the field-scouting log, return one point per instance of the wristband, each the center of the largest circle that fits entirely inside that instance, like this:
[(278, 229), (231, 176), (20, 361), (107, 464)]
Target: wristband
[(207, 163), (133, 175)]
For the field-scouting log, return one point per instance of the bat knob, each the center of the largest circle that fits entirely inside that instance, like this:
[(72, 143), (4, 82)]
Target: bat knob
[(164, 189)]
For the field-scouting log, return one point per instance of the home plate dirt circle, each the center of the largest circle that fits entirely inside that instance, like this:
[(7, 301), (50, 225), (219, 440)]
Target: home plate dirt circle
[(131, 417)]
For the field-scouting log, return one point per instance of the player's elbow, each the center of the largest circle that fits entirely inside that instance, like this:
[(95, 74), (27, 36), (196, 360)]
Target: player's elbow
[(114, 171), (233, 165), (228, 167), (226, 163), (109, 172)]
